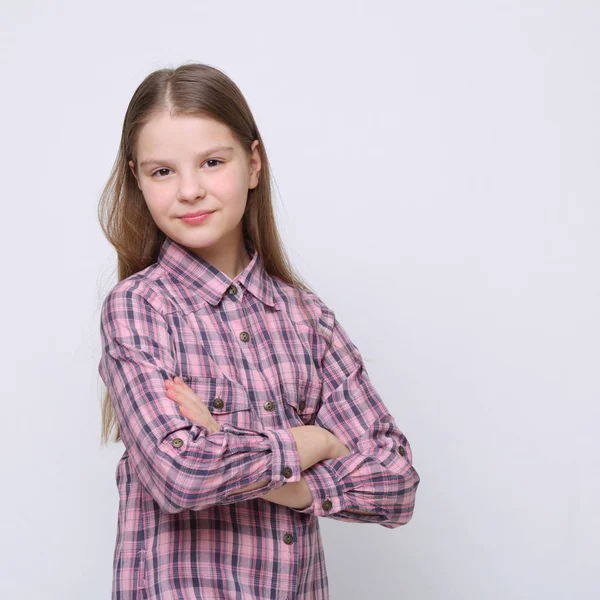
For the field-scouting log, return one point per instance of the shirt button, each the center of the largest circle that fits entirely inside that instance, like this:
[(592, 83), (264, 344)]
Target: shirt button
[(177, 443), (287, 472), (244, 336), (269, 405), (327, 505), (401, 451), (288, 538), (218, 403), (232, 290)]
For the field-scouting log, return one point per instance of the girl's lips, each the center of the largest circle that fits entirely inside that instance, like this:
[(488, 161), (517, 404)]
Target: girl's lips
[(194, 220)]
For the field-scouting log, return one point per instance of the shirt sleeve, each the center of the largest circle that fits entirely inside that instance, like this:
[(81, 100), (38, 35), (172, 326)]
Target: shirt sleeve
[(378, 476), (179, 463)]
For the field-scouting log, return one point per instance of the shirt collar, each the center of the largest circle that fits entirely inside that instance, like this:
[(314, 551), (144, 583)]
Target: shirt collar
[(211, 283)]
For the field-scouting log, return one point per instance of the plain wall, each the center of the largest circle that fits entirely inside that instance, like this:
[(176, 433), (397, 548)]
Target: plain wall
[(436, 169)]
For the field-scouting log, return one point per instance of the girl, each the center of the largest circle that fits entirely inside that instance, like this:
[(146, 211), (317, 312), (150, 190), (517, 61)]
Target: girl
[(245, 409)]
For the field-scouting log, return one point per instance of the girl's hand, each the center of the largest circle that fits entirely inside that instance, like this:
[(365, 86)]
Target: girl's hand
[(190, 405)]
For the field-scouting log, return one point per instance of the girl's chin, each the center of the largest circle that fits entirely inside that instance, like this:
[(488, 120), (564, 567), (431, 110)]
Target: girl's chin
[(194, 239)]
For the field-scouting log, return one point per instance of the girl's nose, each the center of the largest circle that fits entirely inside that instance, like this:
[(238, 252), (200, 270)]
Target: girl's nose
[(191, 188)]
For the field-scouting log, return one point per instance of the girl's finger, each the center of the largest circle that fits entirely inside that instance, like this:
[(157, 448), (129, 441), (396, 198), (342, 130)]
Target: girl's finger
[(182, 384), (190, 394), (174, 396), (186, 391)]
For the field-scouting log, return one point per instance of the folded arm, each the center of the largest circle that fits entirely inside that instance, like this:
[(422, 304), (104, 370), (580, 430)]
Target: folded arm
[(376, 482), (178, 463)]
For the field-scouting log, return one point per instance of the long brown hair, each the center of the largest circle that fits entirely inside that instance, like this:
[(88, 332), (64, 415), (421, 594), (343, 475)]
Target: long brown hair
[(190, 89)]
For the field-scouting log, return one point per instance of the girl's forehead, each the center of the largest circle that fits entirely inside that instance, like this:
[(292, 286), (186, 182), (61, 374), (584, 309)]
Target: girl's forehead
[(168, 115), (184, 130)]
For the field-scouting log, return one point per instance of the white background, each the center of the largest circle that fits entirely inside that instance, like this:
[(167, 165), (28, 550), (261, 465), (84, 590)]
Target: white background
[(436, 169)]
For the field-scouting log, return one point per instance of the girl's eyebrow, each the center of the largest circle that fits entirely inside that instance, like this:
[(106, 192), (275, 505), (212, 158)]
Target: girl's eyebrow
[(153, 161)]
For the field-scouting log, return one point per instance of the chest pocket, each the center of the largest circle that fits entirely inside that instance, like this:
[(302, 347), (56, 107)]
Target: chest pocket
[(227, 400), (302, 398)]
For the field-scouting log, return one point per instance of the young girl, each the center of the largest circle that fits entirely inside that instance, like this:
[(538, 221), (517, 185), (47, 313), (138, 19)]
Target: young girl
[(245, 409)]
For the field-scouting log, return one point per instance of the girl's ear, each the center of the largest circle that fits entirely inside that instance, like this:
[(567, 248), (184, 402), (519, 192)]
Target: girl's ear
[(255, 165)]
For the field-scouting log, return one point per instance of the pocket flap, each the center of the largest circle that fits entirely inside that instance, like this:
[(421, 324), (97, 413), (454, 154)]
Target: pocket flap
[(304, 396), (221, 395)]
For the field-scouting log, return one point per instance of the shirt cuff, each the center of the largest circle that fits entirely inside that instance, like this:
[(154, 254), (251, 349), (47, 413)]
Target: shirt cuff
[(285, 463), (284, 459), (324, 481)]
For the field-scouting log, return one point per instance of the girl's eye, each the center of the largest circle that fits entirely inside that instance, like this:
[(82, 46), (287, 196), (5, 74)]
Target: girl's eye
[(159, 170), (214, 160), (210, 160)]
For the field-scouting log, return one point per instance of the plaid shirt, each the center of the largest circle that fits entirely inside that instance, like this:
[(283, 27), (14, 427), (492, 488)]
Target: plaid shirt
[(263, 361)]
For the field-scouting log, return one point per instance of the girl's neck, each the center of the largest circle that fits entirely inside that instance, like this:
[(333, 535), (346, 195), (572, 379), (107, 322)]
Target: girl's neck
[(230, 260)]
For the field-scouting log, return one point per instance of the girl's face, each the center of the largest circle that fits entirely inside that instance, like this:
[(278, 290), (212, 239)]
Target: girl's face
[(188, 164)]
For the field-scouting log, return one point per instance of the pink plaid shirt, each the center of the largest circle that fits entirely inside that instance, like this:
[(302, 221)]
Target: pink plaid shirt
[(263, 361)]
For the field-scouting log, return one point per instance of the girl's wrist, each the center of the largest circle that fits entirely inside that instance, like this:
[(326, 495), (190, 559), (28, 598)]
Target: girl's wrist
[(327, 444), (292, 495)]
